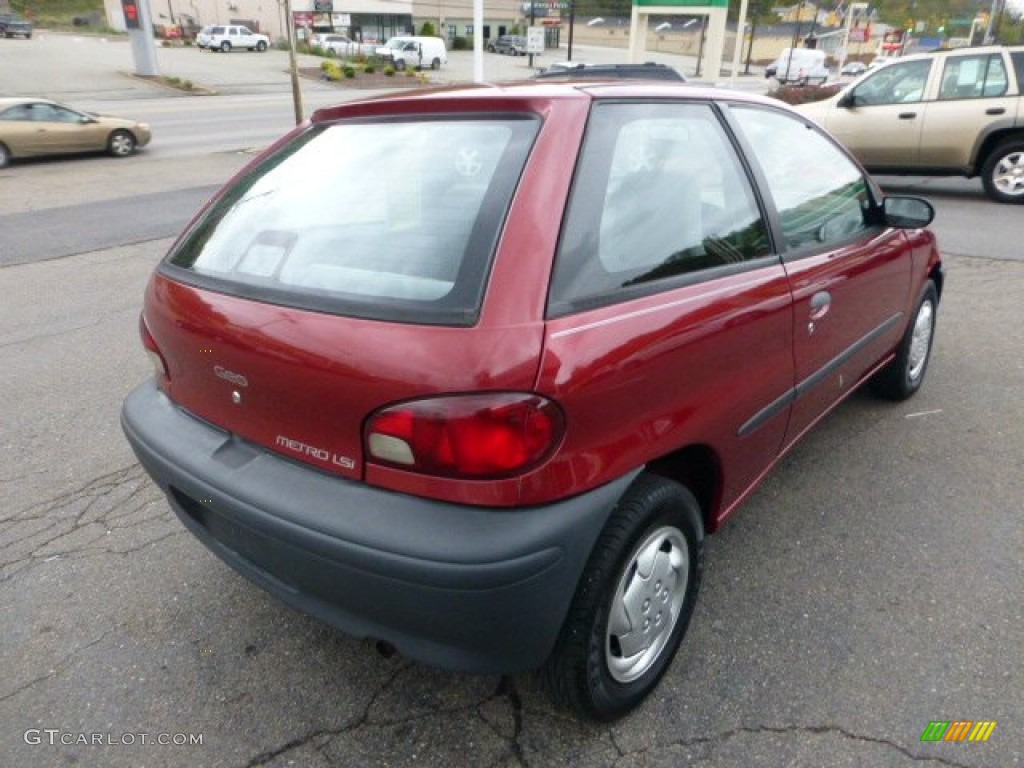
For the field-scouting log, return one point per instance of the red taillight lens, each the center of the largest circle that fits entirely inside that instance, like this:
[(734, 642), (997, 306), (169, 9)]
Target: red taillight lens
[(474, 436), (153, 351)]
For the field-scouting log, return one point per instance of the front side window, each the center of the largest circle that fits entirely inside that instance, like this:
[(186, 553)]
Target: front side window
[(395, 220), (659, 193), (973, 77), (899, 83), (821, 195)]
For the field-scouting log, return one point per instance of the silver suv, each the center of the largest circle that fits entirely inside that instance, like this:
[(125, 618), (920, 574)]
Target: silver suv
[(950, 113)]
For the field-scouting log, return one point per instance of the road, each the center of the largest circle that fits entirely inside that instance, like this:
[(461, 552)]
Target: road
[(872, 585)]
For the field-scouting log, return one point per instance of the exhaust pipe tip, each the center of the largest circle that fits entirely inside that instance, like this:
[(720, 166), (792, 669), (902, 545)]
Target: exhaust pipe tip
[(384, 648)]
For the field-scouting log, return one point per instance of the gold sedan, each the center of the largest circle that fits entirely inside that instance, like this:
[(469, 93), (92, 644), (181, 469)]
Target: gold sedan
[(37, 127)]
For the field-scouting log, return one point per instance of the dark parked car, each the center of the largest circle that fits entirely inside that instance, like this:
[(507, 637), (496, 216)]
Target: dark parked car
[(14, 26), (514, 45), (484, 404), (579, 70)]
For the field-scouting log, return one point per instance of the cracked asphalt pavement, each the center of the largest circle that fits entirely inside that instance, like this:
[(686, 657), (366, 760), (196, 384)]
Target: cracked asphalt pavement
[(873, 583)]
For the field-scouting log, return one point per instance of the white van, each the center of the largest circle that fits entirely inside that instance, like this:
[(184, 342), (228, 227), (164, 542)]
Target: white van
[(800, 65), (415, 52)]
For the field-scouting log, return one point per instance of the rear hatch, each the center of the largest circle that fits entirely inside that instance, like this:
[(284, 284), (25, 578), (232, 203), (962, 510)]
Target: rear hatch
[(344, 273)]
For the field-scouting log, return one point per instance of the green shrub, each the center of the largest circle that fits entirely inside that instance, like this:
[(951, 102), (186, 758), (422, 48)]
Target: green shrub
[(428, 29), (389, 71), (349, 71), (461, 44), (369, 69), (325, 65)]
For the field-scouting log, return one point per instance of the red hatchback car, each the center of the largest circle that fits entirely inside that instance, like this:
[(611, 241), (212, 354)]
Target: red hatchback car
[(483, 402)]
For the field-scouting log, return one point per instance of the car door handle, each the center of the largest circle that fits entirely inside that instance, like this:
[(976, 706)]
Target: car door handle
[(995, 111), (820, 302), (907, 115)]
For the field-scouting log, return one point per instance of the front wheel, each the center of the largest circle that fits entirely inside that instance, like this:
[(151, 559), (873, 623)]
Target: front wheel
[(261, 46), (121, 144), (904, 374), (633, 603), (1003, 173), (5, 156), (435, 64)]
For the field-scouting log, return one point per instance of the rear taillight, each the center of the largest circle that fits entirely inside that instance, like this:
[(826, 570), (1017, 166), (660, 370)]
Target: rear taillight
[(153, 351), (473, 436)]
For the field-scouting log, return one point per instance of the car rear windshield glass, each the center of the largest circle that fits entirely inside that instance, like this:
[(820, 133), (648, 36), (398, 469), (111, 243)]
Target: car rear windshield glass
[(393, 220)]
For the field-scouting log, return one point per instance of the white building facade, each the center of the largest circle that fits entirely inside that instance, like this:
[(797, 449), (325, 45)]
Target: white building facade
[(365, 20)]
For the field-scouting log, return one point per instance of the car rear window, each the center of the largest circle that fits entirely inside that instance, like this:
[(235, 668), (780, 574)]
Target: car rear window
[(394, 220)]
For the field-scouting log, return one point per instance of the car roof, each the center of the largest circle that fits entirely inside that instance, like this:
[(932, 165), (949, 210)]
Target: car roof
[(529, 96), (648, 70), (11, 101)]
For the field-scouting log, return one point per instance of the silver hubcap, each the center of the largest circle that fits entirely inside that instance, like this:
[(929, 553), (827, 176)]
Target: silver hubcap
[(920, 341), (646, 604), (1008, 175), (120, 144)]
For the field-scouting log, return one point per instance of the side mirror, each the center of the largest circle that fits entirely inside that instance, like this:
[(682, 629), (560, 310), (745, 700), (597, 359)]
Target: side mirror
[(847, 100), (908, 212)]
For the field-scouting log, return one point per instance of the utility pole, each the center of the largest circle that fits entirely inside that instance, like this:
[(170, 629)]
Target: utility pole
[(293, 68)]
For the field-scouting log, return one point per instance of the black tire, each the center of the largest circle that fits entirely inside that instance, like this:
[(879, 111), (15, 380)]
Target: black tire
[(904, 374), (121, 143), (588, 670), (261, 46), (5, 156), (1003, 173), (435, 64), (225, 47)]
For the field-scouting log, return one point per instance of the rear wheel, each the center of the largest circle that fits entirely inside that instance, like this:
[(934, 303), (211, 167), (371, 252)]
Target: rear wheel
[(121, 144), (904, 374), (633, 604), (1003, 173), (5, 156), (225, 47), (435, 64)]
